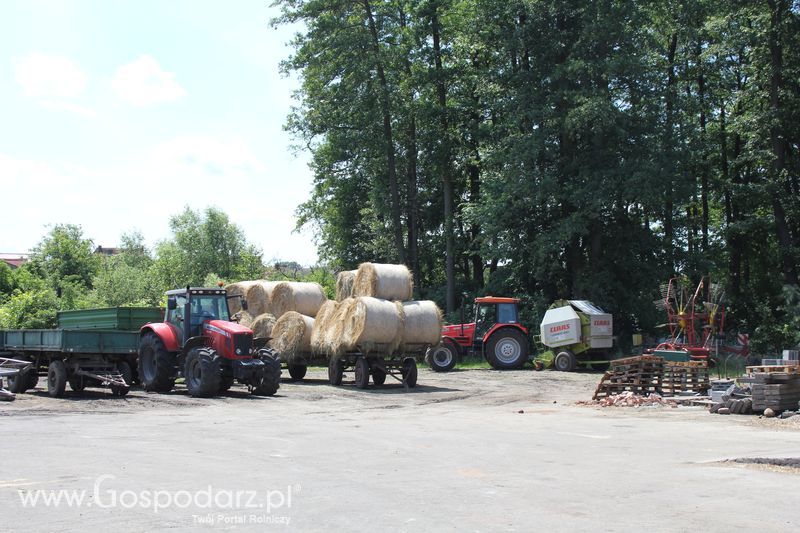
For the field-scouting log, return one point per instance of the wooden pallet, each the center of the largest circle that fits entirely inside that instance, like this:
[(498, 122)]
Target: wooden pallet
[(689, 376), (641, 375), (784, 369)]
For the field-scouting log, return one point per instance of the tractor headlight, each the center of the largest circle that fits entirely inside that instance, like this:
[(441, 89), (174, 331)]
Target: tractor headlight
[(238, 351)]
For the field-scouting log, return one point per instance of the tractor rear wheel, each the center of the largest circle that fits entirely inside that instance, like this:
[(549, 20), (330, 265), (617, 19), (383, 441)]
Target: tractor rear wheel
[(125, 371), (56, 378), (271, 380), (507, 349), (156, 365), (202, 372), (443, 358), (335, 371), (565, 361), (362, 373), (297, 372), (409, 371)]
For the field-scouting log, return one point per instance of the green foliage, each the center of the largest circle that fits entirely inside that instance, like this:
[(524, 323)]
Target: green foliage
[(595, 149), (34, 309), (202, 244), (64, 258)]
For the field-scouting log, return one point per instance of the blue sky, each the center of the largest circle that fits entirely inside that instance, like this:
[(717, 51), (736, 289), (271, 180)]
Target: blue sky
[(114, 115)]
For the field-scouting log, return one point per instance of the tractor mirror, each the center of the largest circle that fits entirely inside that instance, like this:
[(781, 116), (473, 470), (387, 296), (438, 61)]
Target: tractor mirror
[(172, 304), (244, 303)]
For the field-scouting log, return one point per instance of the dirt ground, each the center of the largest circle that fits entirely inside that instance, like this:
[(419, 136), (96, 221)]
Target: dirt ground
[(476, 450)]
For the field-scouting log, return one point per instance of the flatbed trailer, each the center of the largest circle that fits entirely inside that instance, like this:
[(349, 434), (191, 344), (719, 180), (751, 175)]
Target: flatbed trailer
[(88, 352), (379, 365)]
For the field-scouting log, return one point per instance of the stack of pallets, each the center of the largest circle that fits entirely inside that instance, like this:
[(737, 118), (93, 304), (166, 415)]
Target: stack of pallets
[(688, 376), (775, 387), (641, 375)]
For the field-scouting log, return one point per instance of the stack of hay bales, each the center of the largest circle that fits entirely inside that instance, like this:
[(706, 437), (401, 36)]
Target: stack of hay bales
[(257, 293), (379, 317)]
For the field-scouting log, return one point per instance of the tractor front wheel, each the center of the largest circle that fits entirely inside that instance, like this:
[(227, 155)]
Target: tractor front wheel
[(271, 380), (443, 358), (565, 361), (202, 372), (156, 365), (507, 349)]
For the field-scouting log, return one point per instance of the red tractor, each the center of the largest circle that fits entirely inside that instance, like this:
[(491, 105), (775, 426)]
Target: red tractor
[(496, 334), (197, 341)]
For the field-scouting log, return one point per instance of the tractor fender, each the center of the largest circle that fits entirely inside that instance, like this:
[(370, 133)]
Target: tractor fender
[(195, 342), (163, 331), (498, 327), (458, 348)]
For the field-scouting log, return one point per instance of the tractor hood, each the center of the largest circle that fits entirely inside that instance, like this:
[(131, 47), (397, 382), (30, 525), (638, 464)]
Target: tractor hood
[(455, 329), (226, 328)]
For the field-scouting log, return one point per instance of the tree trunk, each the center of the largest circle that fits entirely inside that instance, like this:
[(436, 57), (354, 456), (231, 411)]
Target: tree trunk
[(391, 164), (444, 161), (668, 136), (778, 7)]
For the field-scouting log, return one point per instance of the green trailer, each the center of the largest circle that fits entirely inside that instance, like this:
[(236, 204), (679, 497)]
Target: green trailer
[(90, 348)]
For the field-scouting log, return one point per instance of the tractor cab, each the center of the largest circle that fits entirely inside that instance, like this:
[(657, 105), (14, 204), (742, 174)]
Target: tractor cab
[(188, 309), (492, 311)]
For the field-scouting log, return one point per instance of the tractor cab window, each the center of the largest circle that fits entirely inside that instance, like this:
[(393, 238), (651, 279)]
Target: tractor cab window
[(207, 308), (486, 317), (175, 316), (507, 314)]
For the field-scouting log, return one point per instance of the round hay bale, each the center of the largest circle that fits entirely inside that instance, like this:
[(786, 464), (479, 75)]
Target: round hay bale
[(344, 284), (334, 339), (302, 297), (291, 335), (423, 323), (262, 326), (236, 289), (374, 325), (389, 282), (321, 324), (268, 287), (246, 319), (256, 299)]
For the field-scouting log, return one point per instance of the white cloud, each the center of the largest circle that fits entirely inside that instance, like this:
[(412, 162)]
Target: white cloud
[(143, 83), (49, 77), (59, 105)]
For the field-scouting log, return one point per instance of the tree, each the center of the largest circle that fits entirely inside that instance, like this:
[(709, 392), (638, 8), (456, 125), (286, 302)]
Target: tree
[(64, 257), (203, 243)]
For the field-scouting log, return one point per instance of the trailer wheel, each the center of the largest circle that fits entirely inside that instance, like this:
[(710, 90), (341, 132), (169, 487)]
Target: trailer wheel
[(33, 377), (507, 349), (362, 373), (56, 378), (409, 371), (225, 384), (156, 365), (77, 383), (442, 358), (271, 380), (202, 372), (335, 371), (297, 372), (22, 381), (127, 374), (378, 376), (565, 361)]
